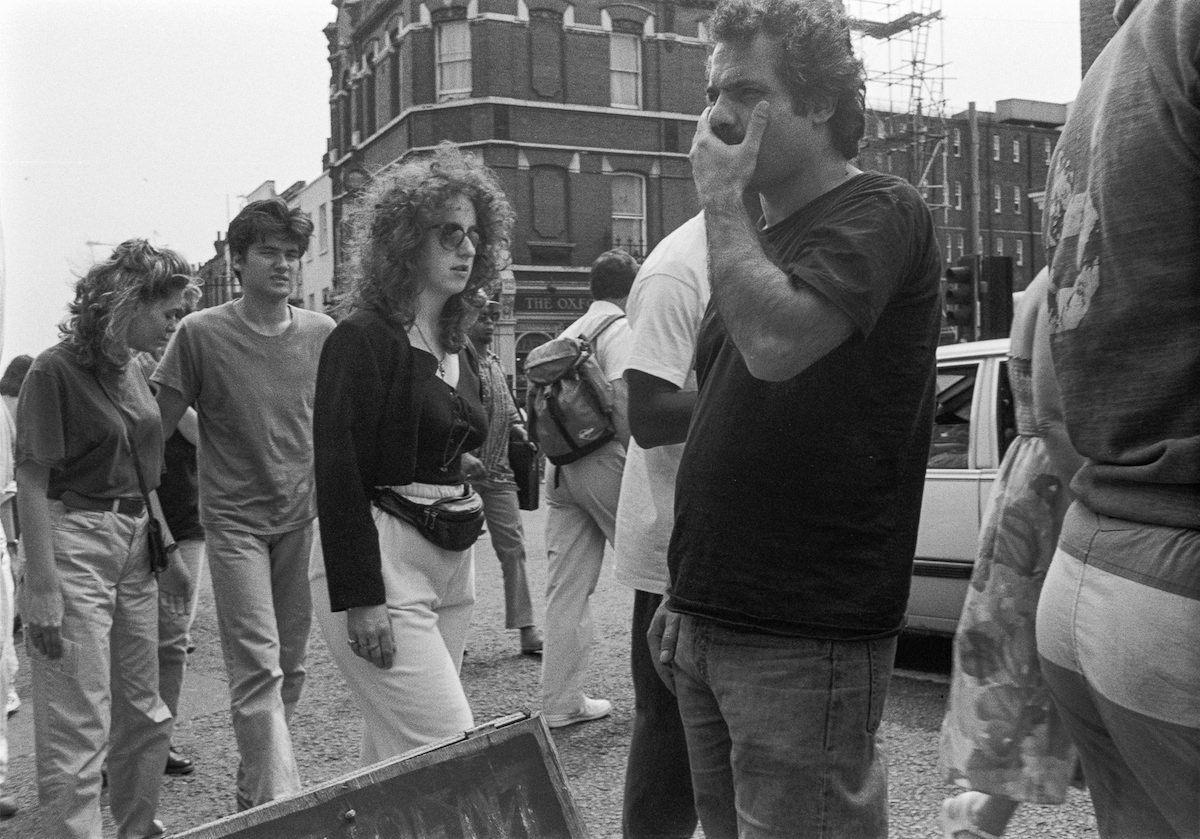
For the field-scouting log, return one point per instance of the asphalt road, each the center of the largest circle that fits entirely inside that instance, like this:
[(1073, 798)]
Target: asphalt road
[(499, 681)]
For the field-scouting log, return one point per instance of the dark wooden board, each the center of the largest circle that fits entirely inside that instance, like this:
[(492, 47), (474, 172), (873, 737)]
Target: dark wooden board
[(501, 780)]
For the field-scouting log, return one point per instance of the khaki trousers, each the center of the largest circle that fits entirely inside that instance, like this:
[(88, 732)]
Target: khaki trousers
[(102, 693)]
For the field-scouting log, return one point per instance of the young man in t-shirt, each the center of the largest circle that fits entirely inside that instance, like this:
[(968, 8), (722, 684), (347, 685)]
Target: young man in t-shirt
[(249, 368), (582, 510), (665, 308), (799, 490)]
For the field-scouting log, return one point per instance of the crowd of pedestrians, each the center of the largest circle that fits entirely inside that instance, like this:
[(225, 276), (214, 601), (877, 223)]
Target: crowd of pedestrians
[(771, 382)]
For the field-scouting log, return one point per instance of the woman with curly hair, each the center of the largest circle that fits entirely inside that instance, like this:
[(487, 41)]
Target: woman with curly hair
[(89, 449), (397, 403)]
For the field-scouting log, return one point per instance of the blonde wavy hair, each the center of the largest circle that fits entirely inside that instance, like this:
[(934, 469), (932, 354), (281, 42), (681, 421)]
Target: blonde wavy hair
[(108, 296), (388, 223)]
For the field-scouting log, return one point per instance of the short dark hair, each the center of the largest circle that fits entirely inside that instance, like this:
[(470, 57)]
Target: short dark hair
[(263, 219), (817, 61), (14, 375), (612, 275)]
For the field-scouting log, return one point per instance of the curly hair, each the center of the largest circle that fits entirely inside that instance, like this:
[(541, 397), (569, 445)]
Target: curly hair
[(108, 296), (817, 61), (387, 226)]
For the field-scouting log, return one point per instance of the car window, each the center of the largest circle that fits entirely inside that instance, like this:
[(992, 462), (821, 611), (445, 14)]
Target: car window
[(1006, 410), (952, 417)]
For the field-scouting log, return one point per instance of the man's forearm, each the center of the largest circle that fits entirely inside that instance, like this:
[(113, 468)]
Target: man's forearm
[(779, 327)]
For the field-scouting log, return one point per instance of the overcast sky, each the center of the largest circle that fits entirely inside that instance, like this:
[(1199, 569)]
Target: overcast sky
[(122, 118)]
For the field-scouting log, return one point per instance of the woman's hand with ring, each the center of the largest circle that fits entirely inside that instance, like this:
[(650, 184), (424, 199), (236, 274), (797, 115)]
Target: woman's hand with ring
[(42, 610), (473, 468), (369, 630)]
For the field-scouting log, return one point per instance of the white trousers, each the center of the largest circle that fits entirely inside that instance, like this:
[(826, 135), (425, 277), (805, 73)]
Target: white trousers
[(430, 597), (6, 648), (582, 498), (8, 660)]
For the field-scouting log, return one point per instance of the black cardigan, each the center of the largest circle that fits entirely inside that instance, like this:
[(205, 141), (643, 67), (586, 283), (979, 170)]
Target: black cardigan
[(364, 436)]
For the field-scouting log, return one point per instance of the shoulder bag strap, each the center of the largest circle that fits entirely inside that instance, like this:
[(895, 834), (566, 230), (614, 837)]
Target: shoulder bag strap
[(137, 464), (609, 321)]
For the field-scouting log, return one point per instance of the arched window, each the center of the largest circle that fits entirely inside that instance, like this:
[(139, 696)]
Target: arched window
[(629, 212)]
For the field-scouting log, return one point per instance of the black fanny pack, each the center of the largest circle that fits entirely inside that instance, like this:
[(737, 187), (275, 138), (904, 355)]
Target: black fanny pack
[(450, 523)]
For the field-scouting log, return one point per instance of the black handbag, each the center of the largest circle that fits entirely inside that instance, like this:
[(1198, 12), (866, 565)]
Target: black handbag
[(451, 523), (160, 556), (525, 460)]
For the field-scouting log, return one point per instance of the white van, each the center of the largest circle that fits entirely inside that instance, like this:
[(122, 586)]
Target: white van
[(973, 424)]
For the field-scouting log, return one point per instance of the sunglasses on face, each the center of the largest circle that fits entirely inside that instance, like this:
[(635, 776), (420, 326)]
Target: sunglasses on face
[(451, 235)]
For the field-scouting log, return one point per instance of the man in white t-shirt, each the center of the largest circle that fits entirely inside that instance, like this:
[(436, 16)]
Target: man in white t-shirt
[(665, 308), (582, 510)]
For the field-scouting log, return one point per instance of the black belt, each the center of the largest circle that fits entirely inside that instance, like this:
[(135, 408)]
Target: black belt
[(124, 506)]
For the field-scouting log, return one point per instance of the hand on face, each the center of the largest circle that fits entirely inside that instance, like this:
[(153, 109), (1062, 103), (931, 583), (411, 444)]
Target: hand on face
[(723, 171)]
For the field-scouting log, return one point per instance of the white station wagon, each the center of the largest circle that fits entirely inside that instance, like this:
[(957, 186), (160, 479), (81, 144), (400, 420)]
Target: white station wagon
[(973, 424)]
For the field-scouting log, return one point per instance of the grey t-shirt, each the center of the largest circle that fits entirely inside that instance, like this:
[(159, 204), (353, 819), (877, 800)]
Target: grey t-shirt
[(66, 421), (254, 396)]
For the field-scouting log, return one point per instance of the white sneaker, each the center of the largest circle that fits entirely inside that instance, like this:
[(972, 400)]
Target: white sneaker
[(593, 709), (956, 817)]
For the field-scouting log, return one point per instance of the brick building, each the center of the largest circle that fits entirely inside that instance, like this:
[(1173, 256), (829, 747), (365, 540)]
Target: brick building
[(1015, 142), (1096, 28), (586, 113)]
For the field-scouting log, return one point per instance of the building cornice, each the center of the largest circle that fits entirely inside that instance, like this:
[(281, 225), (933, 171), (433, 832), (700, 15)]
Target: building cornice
[(527, 103)]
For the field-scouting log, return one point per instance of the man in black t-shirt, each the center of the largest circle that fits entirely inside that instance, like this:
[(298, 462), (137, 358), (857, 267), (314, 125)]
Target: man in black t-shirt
[(799, 491)]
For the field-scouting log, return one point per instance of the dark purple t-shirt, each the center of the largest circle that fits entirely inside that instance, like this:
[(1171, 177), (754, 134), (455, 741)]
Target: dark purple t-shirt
[(797, 502)]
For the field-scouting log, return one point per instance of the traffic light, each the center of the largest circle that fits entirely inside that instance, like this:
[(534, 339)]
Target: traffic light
[(995, 297), (959, 296)]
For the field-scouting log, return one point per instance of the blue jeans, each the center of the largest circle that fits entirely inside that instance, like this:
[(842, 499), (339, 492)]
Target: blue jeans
[(1118, 632), (781, 731), (264, 611)]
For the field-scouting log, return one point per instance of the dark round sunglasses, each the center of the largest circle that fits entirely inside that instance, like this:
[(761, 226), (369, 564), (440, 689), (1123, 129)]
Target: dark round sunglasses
[(451, 235)]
